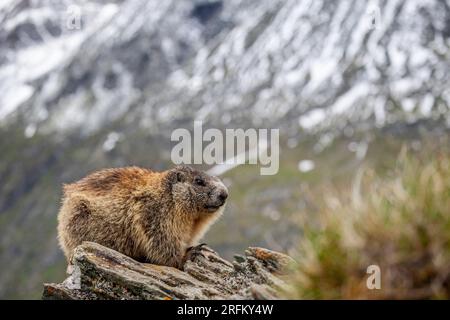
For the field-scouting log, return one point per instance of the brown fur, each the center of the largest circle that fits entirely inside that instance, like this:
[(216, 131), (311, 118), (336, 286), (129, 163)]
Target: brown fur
[(150, 216)]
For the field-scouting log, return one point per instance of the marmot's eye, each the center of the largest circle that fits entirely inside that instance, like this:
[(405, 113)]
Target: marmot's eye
[(199, 181)]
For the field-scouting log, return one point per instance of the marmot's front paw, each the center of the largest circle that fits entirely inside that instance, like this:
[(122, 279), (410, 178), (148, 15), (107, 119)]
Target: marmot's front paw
[(193, 252)]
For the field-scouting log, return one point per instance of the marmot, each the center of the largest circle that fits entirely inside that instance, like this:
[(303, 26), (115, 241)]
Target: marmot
[(149, 216)]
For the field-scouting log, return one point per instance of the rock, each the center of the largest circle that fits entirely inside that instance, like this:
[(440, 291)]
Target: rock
[(98, 272)]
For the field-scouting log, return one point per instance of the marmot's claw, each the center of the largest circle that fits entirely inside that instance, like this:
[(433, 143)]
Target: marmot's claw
[(197, 247), (192, 252), (189, 255)]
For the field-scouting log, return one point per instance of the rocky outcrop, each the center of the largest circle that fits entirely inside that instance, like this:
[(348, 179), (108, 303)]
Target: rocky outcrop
[(98, 272)]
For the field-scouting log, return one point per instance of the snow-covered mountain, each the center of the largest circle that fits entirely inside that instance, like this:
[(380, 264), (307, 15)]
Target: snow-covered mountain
[(87, 84), (313, 63)]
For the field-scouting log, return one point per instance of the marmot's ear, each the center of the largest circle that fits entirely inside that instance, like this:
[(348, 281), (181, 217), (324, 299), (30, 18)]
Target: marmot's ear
[(180, 176), (177, 174)]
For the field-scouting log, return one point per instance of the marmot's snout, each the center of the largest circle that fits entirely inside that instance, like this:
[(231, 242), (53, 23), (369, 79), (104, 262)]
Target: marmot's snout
[(217, 196)]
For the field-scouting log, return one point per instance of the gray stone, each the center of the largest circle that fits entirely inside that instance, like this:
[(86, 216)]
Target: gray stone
[(102, 273)]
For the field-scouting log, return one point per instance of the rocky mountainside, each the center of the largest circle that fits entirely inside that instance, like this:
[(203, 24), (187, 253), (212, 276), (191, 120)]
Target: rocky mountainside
[(102, 273), (88, 84), (84, 64)]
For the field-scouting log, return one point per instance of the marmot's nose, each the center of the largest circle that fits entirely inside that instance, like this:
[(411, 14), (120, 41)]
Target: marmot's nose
[(223, 195)]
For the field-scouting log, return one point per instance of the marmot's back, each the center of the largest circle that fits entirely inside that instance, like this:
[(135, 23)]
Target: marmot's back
[(103, 182), (149, 216)]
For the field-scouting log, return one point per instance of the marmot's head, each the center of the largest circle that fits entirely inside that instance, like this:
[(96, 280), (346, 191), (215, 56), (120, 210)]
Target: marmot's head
[(197, 191)]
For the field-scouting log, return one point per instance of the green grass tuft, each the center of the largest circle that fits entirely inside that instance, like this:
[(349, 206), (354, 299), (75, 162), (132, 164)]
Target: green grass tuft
[(400, 223)]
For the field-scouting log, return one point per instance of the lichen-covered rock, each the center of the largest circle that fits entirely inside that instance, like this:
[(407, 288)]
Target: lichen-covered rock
[(98, 272)]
